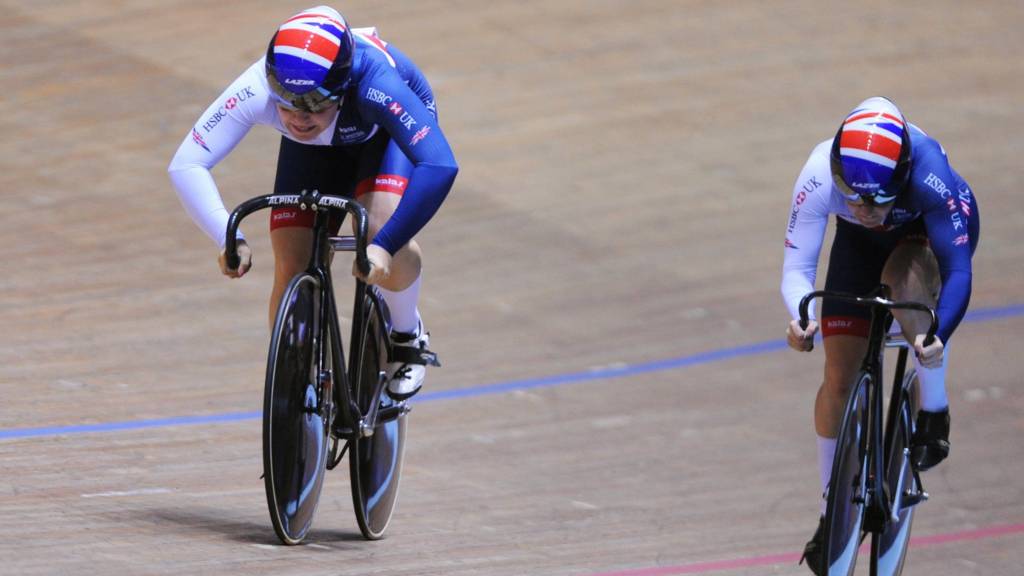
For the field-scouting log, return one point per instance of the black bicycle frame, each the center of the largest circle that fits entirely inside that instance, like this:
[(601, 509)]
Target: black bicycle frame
[(357, 423), (877, 509)]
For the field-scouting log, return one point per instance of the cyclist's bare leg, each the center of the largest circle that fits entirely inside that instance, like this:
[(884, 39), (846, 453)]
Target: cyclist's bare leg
[(913, 274), (292, 248), (401, 292), (407, 262), (843, 356)]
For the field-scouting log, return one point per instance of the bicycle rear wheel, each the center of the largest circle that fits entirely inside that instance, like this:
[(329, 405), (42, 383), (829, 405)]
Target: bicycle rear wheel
[(889, 547), (295, 415), (845, 510), (375, 461)]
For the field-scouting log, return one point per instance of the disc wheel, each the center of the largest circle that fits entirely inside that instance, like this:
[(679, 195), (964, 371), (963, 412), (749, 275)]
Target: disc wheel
[(844, 515), (375, 461), (889, 547), (295, 417)]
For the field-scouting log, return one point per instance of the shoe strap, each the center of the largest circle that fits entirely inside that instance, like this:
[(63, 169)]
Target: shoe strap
[(410, 355)]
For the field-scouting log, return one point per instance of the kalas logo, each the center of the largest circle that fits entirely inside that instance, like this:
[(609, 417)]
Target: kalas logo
[(390, 182)]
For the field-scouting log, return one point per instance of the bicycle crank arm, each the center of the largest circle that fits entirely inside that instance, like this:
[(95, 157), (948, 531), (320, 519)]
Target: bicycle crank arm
[(911, 499), (383, 416), (393, 412)]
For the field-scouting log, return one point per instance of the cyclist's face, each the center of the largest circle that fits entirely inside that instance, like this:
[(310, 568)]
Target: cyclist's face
[(870, 215), (305, 126)]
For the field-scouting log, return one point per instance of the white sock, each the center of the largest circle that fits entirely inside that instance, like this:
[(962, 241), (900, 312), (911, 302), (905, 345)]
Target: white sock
[(826, 453), (932, 384), (405, 316)]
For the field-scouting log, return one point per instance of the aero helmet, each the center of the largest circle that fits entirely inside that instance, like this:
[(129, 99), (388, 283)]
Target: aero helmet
[(309, 59), (871, 152)]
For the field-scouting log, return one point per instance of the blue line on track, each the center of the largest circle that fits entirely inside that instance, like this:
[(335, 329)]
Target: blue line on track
[(982, 315)]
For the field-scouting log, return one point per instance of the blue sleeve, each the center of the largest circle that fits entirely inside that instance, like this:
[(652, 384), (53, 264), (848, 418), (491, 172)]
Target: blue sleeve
[(389, 102), (947, 210)]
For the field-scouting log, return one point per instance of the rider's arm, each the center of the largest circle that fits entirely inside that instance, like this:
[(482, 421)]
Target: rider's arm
[(946, 220), (215, 134), (389, 102), (805, 229)]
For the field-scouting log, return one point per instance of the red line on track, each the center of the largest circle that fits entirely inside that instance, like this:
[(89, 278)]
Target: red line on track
[(771, 559)]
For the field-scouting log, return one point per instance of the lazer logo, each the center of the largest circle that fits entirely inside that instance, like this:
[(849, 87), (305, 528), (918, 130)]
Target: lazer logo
[(299, 82)]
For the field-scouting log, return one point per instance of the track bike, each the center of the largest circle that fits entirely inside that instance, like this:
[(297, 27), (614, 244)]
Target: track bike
[(875, 487), (315, 407)]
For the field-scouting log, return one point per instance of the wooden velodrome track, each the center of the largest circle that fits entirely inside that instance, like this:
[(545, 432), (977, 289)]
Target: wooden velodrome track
[(602, 285)]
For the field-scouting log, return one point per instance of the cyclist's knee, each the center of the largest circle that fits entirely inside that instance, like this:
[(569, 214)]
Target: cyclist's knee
[(839, 380), (912, 273), (843, 354), (292, 248)]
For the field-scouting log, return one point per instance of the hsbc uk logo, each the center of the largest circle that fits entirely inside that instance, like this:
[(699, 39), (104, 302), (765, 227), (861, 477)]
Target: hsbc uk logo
[(385, 99), (811, 185), (938, 185), (229, 104), (378, 96)]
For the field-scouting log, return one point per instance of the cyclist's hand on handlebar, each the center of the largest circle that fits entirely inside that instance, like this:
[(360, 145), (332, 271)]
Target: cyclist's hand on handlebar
[(244, 261), (380, 265), (931, 355), (800, 339)]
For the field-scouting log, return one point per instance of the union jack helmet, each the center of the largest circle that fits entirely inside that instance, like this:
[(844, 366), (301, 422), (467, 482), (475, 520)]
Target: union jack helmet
[(309, 59), (871, 152)]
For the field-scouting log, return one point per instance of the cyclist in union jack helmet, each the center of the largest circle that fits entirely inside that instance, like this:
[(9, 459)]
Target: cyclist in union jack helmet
[(357, 119), (904, 218)]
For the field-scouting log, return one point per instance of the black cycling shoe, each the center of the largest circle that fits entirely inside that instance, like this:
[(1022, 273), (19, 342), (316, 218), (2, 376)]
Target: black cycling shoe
[(930, 444), (814, 551)]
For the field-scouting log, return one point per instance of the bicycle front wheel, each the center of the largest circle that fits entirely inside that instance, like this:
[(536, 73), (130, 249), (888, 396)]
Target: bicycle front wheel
[(889, 547), (845, 510), (375, 461), (295, 419)]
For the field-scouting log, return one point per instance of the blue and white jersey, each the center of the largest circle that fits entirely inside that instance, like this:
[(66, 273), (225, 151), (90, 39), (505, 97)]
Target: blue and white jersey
[(387, 92), (935, 194)]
